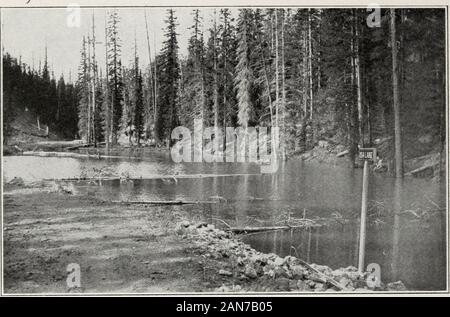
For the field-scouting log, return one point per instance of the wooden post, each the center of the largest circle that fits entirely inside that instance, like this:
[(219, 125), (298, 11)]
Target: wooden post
[(362, 230)]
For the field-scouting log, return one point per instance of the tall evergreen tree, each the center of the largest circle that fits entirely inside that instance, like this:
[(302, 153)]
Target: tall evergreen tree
[(83, 93), (168, 94), (226, 67), (193, 80), (244, 76), (115, 84), (139, 108)]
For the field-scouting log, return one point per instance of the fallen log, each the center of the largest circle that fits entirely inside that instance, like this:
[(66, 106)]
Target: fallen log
[(423, 168), (162, 177), (18, 148), (59, 154), (342, 153), (83, 145), (60, 143), (238, 230), (163, 202), (322, 275), (75, 155), (76, 147)]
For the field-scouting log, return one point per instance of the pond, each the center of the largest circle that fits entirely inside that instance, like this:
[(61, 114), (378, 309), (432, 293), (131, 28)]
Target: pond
[(409, 246)]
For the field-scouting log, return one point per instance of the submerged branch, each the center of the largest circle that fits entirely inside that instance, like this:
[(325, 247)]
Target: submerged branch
[(163, 202)]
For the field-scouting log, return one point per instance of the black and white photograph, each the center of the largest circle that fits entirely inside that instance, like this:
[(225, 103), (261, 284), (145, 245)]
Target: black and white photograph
[(223, 149)]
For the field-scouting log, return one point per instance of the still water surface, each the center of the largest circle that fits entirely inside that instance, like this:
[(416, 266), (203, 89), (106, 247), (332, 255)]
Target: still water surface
[(407, 247)]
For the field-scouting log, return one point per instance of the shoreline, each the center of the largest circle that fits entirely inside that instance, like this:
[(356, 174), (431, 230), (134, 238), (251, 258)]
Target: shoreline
[(426, 166)]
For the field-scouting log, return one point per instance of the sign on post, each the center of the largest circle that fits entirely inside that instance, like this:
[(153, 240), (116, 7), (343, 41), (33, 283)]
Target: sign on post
[(367, 155)]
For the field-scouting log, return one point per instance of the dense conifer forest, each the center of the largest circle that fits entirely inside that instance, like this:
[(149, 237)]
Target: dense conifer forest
[(317, 74)]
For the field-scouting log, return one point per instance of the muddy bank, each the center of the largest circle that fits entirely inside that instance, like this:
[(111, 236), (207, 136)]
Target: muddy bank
[(140, 249), (119, 249)]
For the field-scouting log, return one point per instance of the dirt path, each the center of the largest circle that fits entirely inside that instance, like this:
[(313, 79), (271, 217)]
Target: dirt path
[(119, 248)]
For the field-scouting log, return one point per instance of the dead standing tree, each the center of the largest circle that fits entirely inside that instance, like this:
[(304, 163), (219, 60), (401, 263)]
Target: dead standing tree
[(396, 101)]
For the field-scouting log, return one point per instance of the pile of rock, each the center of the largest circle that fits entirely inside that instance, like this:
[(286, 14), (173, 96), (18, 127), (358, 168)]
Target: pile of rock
[(257, 271)]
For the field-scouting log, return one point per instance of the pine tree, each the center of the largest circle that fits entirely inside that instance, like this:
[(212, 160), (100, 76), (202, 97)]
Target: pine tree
[(61, 88), (244, 76), (106, 112), (98, 120), (137, 98), (226, 67), (139, 108), (193, 79), (168, 94), (83, 93), (25, 90), (215, 74), (126, 124), (115, 85)]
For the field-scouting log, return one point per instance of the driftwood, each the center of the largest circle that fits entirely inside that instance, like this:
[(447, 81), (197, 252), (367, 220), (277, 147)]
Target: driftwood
[(261, 229), (76, 147), (74, 155), (423, 168), (163, 202), (162, 177), (60, 143), (60, 154), (83, 145), (342, 153), (18, 148), (323, 276)]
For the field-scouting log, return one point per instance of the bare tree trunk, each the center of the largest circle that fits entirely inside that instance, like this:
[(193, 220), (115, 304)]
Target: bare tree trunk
[(304, 90), (107, 111), (283, 91), (152, 91), (319, 76), (305, 69), (93, 83), (442, 133), (216, 93), (367, 103), (277, 91), (352, 105), (202, 114), (311, 107), (88, 137), (155, 95), (401, 54), (358, 81), (266, 77), (271, 34), (111, 123), (224, 94), (397, 124), (224, 76)]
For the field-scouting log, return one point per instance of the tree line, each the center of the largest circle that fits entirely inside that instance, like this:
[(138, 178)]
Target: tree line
[(53, 101), (317, 74)]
